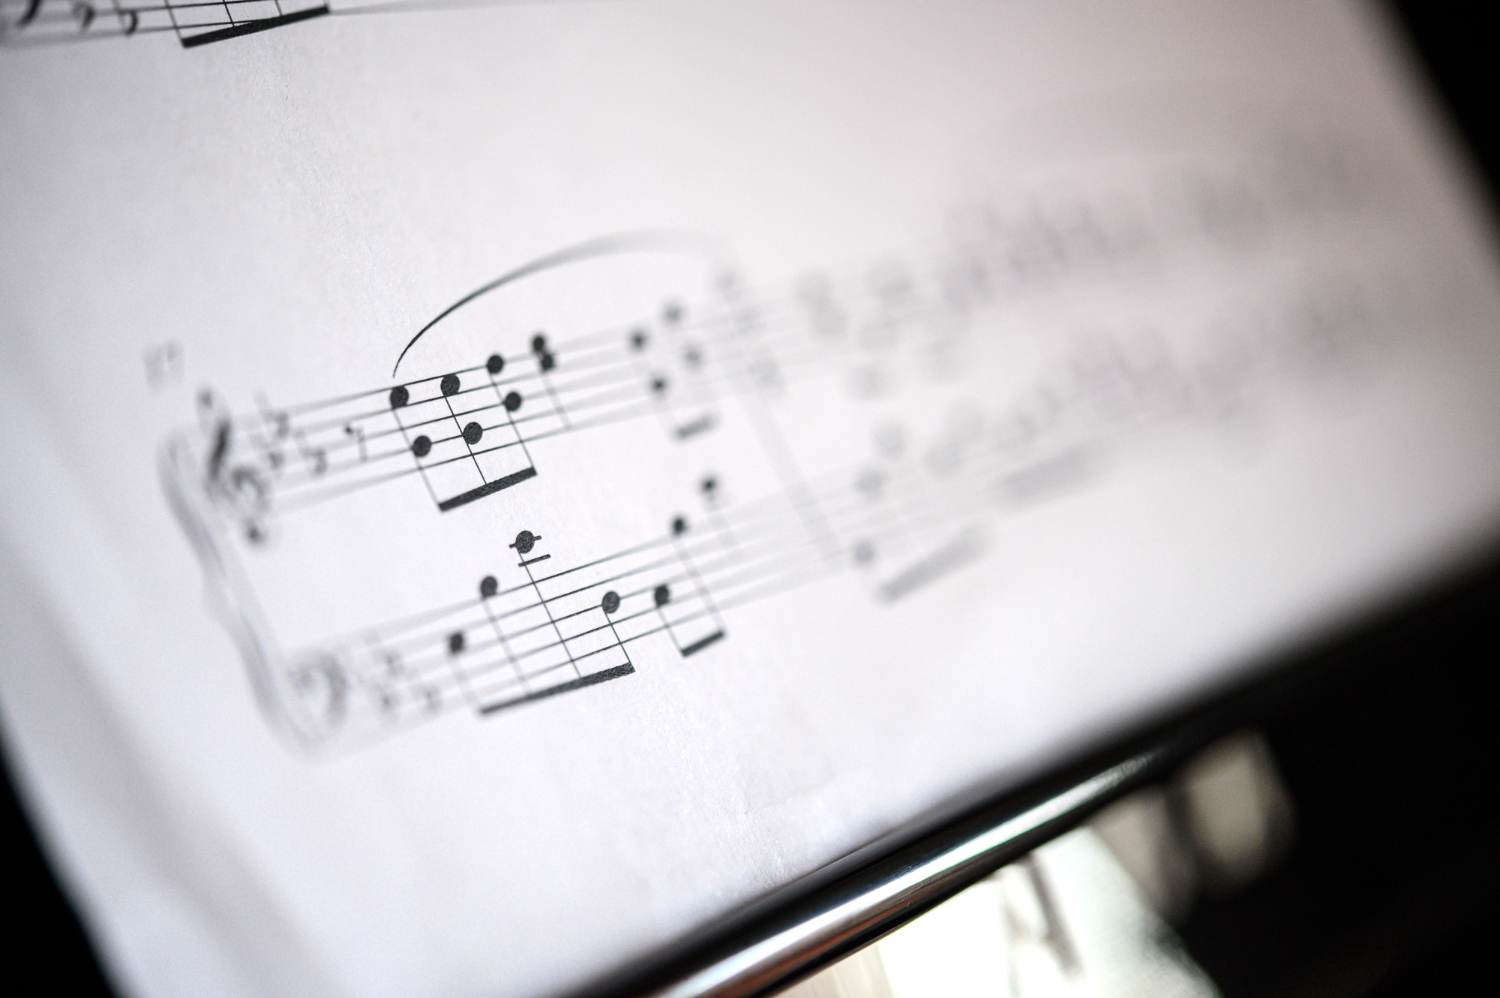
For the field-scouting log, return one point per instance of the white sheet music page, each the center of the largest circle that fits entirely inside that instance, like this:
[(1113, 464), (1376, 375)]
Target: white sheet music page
[(492, 487)]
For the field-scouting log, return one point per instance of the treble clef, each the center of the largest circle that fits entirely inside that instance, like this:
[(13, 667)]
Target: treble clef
[(242, 488)]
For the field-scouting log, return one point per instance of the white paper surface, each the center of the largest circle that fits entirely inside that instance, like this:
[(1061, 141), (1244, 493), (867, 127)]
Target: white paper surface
[(1051, 363)]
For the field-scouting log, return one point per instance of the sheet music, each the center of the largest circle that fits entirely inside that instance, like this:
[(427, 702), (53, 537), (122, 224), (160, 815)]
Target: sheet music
[(191, 22), (491, 488)]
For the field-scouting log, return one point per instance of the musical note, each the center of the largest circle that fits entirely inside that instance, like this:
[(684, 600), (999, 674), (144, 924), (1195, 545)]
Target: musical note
[(697, 606), (560, 631), (450, 448), (673, 364), (546, 360)]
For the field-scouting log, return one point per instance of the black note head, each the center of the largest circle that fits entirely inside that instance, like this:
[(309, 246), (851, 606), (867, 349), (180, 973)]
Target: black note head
[(672, 311), (495, 364), (488, 586), (512, 402), (692, 356), (449, 384), (662, 596), (611, 602), (455, 642), (525, 541), (547, 361), (658, 384), (638, 339), (422, 446), (709, 484), (539, 343), (472, 433), (864, 552), (679, 525), (399, 396)]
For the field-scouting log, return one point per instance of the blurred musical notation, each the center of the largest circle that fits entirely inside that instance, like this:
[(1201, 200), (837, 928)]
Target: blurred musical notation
[(888, 343), (29, 23), (907, 516), (192, 22), (866, 332)]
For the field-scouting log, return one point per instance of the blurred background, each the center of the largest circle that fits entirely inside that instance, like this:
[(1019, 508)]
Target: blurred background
[(1346, 844)]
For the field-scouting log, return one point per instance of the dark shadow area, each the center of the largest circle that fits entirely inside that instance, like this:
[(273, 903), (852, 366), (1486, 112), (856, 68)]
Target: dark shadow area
[(1394, 776), (45, 948)]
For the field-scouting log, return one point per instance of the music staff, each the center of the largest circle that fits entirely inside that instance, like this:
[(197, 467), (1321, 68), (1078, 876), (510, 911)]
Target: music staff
[(873, 328), (192, 22)]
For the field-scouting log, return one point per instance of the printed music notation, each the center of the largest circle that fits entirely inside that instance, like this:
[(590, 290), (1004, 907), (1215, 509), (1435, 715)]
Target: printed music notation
[(192, 22), (470, 433), (905, 518), (465, 434), (873, 340)]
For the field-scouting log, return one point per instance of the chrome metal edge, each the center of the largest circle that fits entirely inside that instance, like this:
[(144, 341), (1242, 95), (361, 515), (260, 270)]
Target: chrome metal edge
[(880, 897)]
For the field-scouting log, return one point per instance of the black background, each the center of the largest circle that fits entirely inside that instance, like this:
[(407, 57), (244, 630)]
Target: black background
[(1393, 884)]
